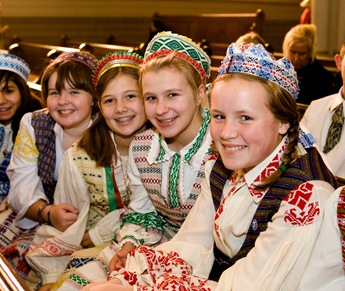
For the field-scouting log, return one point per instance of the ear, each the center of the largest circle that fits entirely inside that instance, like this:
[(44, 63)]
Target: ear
[(284, 127), (200, 95), (338, 60)]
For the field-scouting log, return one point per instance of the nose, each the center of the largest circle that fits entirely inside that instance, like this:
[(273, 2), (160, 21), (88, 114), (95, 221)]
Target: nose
[(161, 107), (120, 106), (229, 131), (3, 99), (64, 98)]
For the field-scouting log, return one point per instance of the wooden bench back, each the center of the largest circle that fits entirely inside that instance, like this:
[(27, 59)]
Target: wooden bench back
[(219, 30), (36, 55), (99, 50)]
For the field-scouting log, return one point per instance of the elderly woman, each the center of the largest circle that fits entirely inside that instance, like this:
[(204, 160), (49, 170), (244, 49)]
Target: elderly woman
[(299, 47)]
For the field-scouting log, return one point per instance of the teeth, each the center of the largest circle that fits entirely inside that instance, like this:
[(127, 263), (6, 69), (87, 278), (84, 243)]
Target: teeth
[(66, 111), (234, 149), (167, 120), (4, 109), (124, 119)]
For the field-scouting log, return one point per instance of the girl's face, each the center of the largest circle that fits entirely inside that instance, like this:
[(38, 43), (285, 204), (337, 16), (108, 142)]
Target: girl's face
[(71, 108), (10, 101), (122, 106), (244, 130), (171, 105)]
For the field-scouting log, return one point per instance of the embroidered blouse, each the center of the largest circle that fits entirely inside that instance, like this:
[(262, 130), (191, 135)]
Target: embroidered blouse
[(152, 217), (288, 238), (26, 186)]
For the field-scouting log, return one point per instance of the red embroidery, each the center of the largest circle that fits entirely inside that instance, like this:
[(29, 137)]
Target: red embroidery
[(305, 210)]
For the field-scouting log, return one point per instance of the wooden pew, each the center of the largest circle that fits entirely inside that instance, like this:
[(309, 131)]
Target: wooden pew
[(36, 55), (219, 30), (99, 50)]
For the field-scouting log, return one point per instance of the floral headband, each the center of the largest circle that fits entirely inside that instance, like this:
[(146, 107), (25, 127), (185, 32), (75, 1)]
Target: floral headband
[(80, 57)]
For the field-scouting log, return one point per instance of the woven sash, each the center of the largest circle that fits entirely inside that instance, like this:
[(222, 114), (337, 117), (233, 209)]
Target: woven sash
[(43, 125), (308, 167)]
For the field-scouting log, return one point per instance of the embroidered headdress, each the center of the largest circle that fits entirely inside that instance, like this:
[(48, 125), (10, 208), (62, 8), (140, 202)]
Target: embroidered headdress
[(166, 42), (9, 62), (115, 59), (255, 60), (80, 57)]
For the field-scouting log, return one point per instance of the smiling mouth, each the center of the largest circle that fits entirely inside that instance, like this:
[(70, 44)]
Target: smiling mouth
[(234, 149), (66, 111), (124, 119), (5, 109), (164, 121)]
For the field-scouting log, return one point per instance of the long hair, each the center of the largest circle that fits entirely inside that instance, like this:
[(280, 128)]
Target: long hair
[(97, 140)]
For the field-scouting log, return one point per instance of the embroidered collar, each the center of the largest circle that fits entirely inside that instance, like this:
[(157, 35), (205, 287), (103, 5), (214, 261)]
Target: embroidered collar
[(265, 169)]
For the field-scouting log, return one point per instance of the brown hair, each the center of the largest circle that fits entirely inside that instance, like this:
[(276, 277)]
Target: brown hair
[(74, 73), (97, 140), (284, 108)]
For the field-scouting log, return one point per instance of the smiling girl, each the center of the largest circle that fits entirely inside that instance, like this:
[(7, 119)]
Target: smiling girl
[(42, 140), (93, 176), (260, 210)]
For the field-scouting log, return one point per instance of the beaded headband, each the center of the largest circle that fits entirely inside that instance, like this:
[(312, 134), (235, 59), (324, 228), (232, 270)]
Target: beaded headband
[(255, 60), (166, 42), (115, 59), (80, 57), (9, 62)]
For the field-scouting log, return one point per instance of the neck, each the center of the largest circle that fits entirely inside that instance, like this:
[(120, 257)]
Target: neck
[(178, 142), (71, 135)]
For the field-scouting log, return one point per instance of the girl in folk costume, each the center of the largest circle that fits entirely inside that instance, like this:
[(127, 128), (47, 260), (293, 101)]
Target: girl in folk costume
[(42, 140), (16, 99), (93, 176), (255, 222), (166, 163)]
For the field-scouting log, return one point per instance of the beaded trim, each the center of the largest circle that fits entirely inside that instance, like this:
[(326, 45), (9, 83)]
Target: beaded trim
[(113, 60), (87, 60), (9, 62), (256, 60), (165, 42)]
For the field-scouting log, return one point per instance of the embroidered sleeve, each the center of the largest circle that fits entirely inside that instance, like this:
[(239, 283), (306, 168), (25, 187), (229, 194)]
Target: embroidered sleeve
[(24, 146), (140, 228)]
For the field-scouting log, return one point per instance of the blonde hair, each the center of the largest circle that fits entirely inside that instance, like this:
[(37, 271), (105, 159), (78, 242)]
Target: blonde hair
[(172, 61), (301, 33)]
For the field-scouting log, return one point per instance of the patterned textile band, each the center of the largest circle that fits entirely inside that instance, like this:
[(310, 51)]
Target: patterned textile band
[(87, 60), (166, 42), (255, 60), (14, 64), (113, 60)]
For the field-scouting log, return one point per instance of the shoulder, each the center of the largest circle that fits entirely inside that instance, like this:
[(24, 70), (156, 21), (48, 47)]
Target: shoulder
[(306, 203)]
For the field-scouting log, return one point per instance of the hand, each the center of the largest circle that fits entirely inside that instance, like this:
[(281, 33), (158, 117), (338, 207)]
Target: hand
[(119, 260), (86, 241), (63, 216)]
